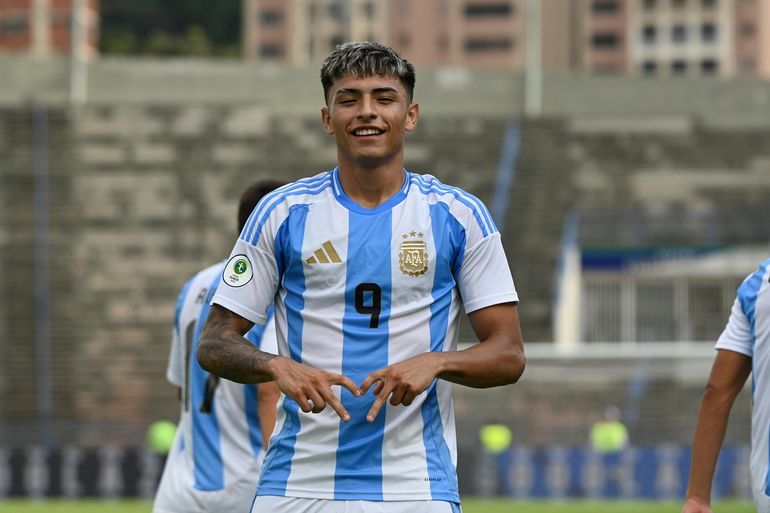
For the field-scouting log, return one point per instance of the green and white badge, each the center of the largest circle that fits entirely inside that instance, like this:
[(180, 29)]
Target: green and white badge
[(238, 271)]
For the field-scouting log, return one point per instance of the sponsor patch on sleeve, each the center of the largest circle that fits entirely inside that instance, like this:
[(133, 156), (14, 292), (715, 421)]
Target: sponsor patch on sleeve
[(238, 271)]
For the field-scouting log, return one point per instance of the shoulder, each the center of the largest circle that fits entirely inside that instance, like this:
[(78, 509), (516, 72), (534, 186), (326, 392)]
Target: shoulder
[(466, 208), (278, 205)]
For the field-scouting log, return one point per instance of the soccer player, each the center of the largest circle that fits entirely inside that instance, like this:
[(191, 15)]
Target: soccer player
[(743, 348), (215, 462), (370, 266)]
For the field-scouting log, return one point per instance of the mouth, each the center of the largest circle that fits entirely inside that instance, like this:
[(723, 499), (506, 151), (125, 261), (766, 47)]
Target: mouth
[(363, 132)]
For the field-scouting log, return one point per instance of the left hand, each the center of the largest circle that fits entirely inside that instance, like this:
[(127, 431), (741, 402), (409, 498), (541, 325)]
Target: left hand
[(401, 382)]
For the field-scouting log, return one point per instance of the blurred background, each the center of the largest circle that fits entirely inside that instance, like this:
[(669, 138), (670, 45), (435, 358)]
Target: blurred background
[(622, 146)]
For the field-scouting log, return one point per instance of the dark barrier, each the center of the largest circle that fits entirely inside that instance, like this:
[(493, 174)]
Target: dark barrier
[(555, 472), (542, 472)]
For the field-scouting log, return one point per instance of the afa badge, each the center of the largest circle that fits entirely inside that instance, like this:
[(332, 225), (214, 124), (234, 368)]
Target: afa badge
[(238, 271), (413, 259)]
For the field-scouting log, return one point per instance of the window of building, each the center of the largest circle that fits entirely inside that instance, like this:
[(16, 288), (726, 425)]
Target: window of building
[(709, 66), (678, 67), (605, 6), (370, 10), (650, 5), (271, 51), (679, 33), (678, 4), (271, 18), (708, 4), (338, 11), (605, 40), (14, 25), (649, 68), (495, 44), (649, 34), (492, 9), (747, 30), (708, 32)]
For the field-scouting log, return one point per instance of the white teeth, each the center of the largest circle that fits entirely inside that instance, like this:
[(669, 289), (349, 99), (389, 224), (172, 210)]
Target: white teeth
[(367, 131)]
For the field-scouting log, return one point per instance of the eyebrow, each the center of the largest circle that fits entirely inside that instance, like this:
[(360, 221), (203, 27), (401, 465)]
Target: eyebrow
[(376, 90)]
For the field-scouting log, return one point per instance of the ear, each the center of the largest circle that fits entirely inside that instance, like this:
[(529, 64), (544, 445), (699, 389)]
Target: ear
[(412, 113), (326, 120)]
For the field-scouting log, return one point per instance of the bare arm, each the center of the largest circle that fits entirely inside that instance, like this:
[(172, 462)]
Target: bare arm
[(268, 394), (497, 360), (223, 351), (727, 378)]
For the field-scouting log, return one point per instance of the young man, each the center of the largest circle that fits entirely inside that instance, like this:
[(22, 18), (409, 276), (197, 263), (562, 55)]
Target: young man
[(369, 266), (743, 349), (215, 462)]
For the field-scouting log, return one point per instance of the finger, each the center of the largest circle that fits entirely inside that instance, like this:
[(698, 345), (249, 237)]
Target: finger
[(397, 396), (375, 409), (336, 405), (373, 377), (317, 402), (408, 398), (378, 387), (304, 405), (339, 379)]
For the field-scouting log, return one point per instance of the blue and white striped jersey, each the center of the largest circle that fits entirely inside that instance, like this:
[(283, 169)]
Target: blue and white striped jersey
[(748, 332), (219, 437), (356, 290)]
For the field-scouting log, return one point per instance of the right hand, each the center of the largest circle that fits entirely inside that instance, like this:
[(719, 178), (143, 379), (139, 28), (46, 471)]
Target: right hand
[(696, 505), (311, 387)]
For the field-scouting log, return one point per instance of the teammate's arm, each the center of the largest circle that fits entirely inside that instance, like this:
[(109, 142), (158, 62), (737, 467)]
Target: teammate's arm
[(497, 360), (268, 394), (728, 375), (223, 351)]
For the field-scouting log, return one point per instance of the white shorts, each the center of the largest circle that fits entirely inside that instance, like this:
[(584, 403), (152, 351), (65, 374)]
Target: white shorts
[(272, 504), (177, 495)]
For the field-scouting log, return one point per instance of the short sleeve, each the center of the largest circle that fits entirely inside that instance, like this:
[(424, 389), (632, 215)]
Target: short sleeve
[(485, 278), (175, 367), (737, 334)]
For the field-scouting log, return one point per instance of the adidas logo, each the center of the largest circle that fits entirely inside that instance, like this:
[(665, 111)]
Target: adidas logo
[(326, 254)]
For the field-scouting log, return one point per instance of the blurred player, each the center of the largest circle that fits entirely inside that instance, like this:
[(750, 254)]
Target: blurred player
[(743, 348), (214, 465), (370, 266)]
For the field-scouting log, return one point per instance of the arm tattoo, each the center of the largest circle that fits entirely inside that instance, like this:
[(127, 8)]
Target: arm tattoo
[(223, 350)]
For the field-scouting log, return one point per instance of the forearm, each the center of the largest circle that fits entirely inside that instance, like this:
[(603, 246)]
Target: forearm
[(707, 442), (223, 350), (494, 362)]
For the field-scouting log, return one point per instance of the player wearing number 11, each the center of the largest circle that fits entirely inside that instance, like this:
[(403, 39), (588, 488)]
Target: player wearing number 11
[(370, 267)]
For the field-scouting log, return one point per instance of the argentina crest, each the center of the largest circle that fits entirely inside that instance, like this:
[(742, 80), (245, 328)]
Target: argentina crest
[(413, 259)]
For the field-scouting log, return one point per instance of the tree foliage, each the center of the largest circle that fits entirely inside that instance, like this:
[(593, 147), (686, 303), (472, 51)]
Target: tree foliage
[(171, 27)]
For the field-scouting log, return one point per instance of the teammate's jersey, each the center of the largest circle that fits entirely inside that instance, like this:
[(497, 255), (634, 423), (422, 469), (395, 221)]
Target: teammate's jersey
[(219, 437), (356, 290), (748, 332)]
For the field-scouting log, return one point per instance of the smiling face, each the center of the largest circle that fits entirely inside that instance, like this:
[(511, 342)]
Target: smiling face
[(368, 117)]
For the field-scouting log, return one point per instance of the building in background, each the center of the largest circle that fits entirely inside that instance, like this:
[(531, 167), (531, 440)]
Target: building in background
[(44, 27), (667, 38)]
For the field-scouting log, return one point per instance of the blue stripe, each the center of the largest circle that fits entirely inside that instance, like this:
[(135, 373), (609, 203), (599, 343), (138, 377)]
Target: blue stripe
[(364, 349), (436, 185), (180, 303), (277, 466), (480, 212), (448, 243), (207, 451), (266, 207)]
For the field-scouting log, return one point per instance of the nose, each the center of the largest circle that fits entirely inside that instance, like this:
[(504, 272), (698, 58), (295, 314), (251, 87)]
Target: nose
[(367, 110)]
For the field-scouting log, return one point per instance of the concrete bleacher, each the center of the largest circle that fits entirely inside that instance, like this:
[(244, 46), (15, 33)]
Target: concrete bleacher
[(143, 185)]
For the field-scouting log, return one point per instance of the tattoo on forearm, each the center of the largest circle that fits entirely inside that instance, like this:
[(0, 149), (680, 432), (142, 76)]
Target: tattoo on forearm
[(227, 353)]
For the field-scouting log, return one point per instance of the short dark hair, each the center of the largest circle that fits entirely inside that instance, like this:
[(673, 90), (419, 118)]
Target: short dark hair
[(251, 197), (365, 59)]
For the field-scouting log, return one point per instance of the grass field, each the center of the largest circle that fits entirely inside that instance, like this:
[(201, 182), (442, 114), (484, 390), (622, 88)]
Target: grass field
[(469, 506)]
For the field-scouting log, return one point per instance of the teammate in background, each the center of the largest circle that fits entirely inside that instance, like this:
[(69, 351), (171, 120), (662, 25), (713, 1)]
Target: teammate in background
[(743, 348), (370, 266), (224, 427), (609, 435)]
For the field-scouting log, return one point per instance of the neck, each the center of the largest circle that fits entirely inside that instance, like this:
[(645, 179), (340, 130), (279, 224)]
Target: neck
[(370, 186)]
